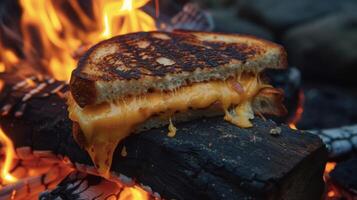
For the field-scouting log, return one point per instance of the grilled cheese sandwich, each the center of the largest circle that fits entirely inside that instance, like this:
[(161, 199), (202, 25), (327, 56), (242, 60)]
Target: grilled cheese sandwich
[(106, 119)]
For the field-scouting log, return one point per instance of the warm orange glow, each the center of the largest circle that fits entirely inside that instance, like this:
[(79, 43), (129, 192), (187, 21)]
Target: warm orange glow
[(299, 111), (331, 193), (1, 85), (5, 176), (331, 190), (133, 193), (330, 166), (58, 37), (52, 40), (133, 19), (7, 57), (292, 126), (2, 67)]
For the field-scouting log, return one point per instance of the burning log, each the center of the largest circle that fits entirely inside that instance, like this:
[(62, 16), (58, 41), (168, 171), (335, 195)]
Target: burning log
[(344, 179), (78, 185), (208, 158), (30, 187)]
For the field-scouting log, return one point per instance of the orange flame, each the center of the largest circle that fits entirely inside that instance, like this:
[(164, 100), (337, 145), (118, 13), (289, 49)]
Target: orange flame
[(52, 37), (1, 85), (7, 145), (330, 166), (133, 193), (331, 190), (7, 57), (135, 20)]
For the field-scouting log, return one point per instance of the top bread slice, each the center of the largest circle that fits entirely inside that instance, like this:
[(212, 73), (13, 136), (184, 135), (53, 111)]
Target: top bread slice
[(142, 62)]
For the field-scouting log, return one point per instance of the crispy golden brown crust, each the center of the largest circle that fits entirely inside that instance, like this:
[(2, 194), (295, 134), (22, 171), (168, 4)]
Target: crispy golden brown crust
[(136, 63)]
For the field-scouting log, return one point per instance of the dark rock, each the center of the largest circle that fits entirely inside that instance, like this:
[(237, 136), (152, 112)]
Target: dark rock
[(215, 3), (278, 15), (326, 47), (345, 176), (226, 20), (328, 106), (169, 8)]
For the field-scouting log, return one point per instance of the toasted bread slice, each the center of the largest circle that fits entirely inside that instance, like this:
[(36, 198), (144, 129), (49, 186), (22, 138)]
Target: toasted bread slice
[(143, 62)]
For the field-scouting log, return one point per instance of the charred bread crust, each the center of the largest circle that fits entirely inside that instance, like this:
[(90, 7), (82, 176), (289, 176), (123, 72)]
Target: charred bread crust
[(83, 90), (283, 59), (136, 63)]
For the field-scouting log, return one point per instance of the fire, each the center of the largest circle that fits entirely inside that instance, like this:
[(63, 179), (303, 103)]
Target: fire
[(330, 166), (52, 36), (298, 114), (331, 190), (133, 193), (331, 193), (7, 57), (1, 85), (7, 145), (135, 20), (55, 33)]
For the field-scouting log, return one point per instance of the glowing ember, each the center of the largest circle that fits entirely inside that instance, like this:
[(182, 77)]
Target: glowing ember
[(1, 85), (331, 193), (331, 190), (7, 145), (31, 179), (330, 166), (293, 126), (133, 193)]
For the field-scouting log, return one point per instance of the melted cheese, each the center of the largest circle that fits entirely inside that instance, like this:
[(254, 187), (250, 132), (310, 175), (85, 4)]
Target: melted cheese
[(106, 124), (172, 129)]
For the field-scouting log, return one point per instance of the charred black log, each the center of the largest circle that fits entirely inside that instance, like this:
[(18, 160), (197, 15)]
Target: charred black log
[(207, 159), (344, 178)]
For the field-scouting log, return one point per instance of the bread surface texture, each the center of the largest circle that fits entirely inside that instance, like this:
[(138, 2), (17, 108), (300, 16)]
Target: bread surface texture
[(142, 62)]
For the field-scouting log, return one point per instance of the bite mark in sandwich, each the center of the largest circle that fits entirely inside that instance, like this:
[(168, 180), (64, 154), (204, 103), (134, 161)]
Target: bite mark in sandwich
[(139, 81)]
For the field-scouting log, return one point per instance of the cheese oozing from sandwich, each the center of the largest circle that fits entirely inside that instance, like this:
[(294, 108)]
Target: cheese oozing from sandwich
[(105, 125)]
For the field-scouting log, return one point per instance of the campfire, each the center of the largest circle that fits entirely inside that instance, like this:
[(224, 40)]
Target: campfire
[(51, 37), (39, 157), (53, 34)]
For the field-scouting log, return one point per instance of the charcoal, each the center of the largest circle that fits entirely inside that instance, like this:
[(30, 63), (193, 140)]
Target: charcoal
[(344, 176)]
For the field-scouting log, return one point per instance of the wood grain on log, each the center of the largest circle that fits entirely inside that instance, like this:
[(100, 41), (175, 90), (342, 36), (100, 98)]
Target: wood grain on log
[(207, 159)]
